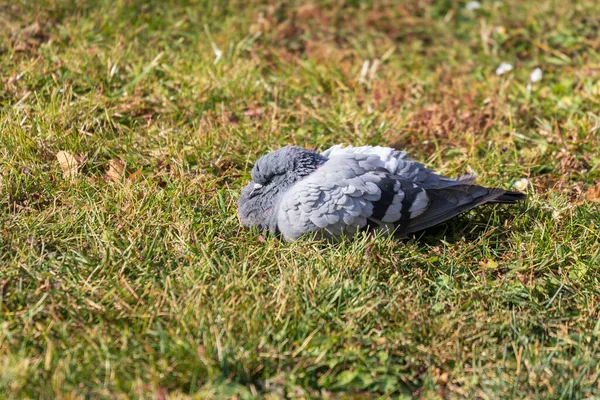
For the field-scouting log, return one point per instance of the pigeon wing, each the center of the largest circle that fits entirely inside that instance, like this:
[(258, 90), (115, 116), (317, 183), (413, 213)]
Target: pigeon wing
[(399, 163), (348, 192)]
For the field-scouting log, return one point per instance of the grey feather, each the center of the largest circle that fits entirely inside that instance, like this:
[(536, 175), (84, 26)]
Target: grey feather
[(296, 191)]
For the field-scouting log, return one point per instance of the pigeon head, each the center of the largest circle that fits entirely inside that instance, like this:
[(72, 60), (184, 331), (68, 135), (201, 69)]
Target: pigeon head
[(272, 175)]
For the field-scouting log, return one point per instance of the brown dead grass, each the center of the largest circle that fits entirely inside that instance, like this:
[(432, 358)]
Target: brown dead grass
[(452, 115), (316, 29), (29, 38)]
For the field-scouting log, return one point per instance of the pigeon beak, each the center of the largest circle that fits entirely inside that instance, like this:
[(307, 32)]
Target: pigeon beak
[(256, 186)]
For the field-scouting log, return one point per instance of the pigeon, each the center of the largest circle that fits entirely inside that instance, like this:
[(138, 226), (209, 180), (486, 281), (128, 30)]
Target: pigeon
[(346, 189)]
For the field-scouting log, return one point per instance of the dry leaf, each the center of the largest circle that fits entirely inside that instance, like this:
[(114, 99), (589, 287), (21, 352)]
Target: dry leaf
[(20, 46), (135, 176), (116, 168), (68, 164), (29, 38), (593, 193), (443, 378), (32, 30)]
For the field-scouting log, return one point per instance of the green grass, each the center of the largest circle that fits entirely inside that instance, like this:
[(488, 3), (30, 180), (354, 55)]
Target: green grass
[(144, 285)]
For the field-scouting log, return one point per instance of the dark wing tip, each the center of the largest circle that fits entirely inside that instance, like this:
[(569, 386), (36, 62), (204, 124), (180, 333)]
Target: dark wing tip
[(448, 202), (509, 197)]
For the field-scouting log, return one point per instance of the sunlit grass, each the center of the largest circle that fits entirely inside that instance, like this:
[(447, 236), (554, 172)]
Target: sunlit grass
[(141, 283)]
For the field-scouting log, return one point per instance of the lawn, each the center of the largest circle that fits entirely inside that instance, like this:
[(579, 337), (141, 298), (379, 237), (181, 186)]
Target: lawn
[(128, 128)]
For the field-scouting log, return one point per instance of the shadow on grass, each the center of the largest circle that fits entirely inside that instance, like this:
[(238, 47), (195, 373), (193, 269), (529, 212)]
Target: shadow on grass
[(470, 226)]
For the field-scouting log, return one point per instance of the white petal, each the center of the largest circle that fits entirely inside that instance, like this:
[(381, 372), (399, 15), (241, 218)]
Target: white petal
[(503, 68), (521, 184), (473, 5), (536, 75)]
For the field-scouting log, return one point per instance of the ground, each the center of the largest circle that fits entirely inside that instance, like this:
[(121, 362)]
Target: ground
[(127, 129)]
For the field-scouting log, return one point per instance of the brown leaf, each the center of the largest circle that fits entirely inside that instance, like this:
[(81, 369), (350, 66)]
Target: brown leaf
[(68, 164), (32, 30), (135, 176), (593, 193), (443, 378), (29, 38), (116, 168), (21, 46)]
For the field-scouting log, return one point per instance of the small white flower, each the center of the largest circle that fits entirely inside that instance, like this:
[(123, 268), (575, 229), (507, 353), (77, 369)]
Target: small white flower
[(536, 75), (504, 68), (218, 52), (473, 5), (521, 184)]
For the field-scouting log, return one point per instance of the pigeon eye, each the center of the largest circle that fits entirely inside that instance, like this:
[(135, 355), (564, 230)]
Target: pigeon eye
[(264, 180)]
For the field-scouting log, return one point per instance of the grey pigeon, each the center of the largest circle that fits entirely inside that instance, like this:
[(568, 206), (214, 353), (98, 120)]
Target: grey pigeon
[(295, 191)]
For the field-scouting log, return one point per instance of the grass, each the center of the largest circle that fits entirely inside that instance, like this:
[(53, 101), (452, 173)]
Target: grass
[(125, 273)]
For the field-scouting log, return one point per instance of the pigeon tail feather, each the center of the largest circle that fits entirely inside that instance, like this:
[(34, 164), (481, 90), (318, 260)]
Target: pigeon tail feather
[(449, 202), (509, 197)]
